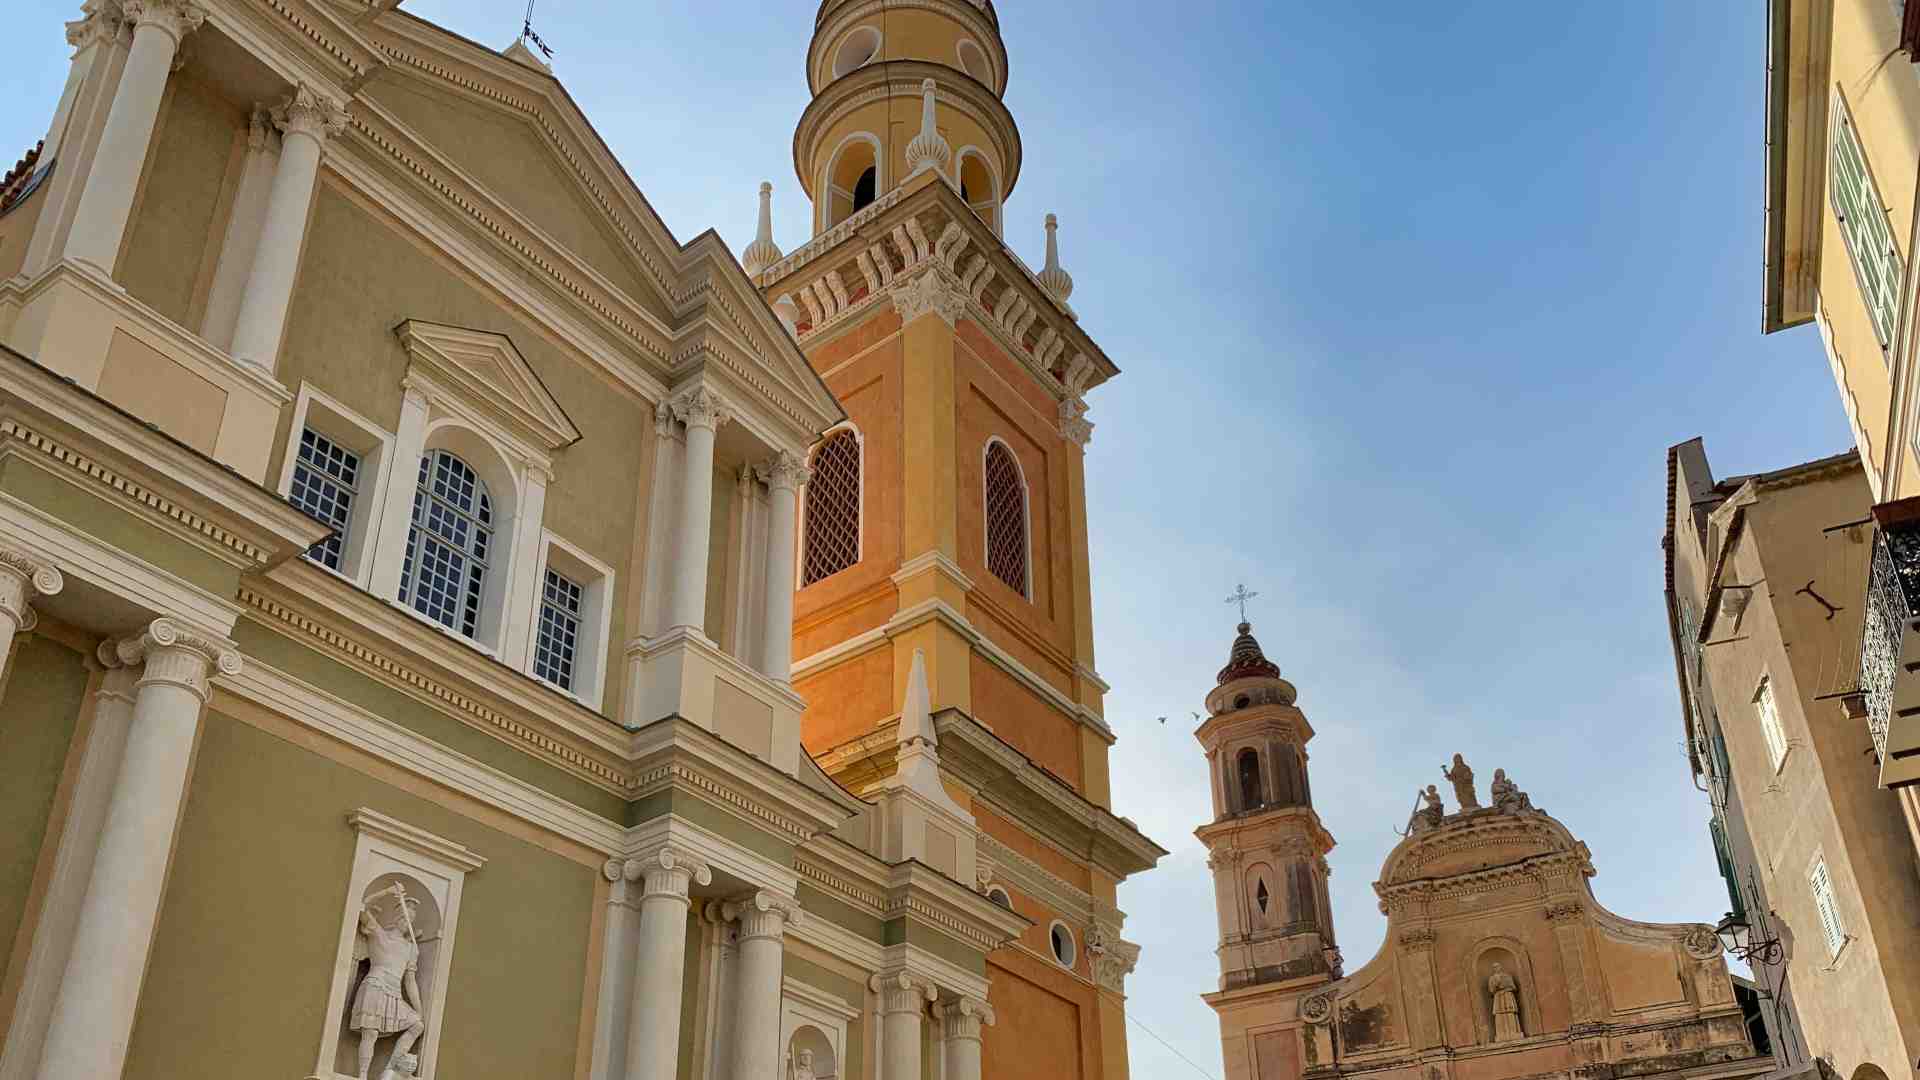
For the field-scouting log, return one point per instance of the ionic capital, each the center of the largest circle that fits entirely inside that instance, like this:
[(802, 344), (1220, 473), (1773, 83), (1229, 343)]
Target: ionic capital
[(175, 655), (175, 18), (963, 1018), (307, 112), (903, 992), (23, 577), (701, 407), (784, 471), (668, 871), (763, 915)]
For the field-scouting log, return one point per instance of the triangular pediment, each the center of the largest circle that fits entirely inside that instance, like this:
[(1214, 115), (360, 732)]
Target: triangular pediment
[(485, 370)]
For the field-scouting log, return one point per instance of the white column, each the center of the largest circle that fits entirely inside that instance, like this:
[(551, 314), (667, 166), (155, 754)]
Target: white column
[(756, 1030), (783, 476), (523, 601), (660, 961), (93, 1014), (22, 578), (304, 120), (616, 969), (903, 1007), (101, 219), (242, 238), (703, 413), (396, 512), (100, 39), (960, 1023)]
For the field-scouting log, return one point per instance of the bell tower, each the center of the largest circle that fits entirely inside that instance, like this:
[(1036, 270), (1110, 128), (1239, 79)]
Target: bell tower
[(1265, 845), (899, 89)]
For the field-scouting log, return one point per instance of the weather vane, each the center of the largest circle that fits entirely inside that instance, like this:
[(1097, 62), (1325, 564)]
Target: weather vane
[(527, 34), (1241, 594)]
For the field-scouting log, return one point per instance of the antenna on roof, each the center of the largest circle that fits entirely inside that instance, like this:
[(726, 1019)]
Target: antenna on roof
[(527, 34)]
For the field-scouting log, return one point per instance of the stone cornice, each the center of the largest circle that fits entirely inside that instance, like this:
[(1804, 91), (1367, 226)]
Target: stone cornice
[(117, 458), (922, 894)]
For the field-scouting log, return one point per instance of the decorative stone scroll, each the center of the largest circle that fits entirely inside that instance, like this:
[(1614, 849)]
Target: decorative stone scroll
[(930, 292)]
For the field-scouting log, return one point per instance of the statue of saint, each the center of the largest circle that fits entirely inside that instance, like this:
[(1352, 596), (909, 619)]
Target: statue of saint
[(1427, 811), (1507, 795), (1462, 777), (803, 1065), (1506, 1004), (388, 1000)]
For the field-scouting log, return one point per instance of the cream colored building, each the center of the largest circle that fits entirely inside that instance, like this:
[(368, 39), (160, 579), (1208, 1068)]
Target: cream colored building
[(1764, 574), (398, 535), (1498, 962)]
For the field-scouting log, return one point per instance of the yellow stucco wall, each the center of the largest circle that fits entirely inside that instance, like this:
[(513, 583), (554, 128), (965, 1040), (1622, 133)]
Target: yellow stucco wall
[(179, 216)]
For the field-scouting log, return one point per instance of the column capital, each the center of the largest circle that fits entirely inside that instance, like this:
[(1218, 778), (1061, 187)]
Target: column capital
[(784, 471), (175, 18), (174, 654), (1112, 958), (763, 914), (701, 407), (963, 1018), (932, 292), (259, 122), (22, 577), (663, 418), (99, 21), (311, 113), (902, 991), (1074, 425), (668, 871)]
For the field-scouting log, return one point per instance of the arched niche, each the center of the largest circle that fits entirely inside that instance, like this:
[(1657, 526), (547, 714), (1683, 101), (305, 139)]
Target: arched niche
[(810, 1054), (1511, 955), (1263, 897), (854, 177), (1247, 787), (385, 896)]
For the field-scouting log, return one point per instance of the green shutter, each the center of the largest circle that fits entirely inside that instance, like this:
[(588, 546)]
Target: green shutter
[(1863, 222), (1723, 853)]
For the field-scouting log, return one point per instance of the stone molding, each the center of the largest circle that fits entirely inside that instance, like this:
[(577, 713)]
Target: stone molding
[(1419, 939), (1111, 958), (1702, 943), (784, 471), (454, 855), (1566, 912), (310, 113), (903, 991), (175, 18), (963, 1018), (23, 577), (1317, 1009), (763, 914), (99, 21), (174, 655), (1074, 425), (931, 292)]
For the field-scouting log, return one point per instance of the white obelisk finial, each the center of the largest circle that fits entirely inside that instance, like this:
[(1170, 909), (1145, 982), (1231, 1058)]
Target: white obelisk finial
[(1057, 281), (763, 252), (927, 150)]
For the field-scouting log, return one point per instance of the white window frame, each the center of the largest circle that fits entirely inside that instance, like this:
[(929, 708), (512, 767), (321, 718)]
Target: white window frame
[(596, 580), (1073, 945), (1766, 706), (327, 416), (1826, 906), (802, 1005), (1026, 514), (1875, 229), (860, 509)]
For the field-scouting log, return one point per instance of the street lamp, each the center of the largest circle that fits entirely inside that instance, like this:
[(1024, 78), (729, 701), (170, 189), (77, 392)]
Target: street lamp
[(1734, 933)]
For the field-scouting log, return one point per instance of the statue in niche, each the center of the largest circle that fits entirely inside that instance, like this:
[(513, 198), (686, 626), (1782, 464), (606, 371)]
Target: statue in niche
[(803, 1065), (1461, 776), (1506, 1004), (1507, 795), (388, 999), (1427, 811)]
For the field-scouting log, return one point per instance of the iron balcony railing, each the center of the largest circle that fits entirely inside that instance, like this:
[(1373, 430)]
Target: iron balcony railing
[(1893, 598)]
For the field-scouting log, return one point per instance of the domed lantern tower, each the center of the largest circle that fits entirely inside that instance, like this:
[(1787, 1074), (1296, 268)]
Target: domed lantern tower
[(1265, 845), (879, 71)]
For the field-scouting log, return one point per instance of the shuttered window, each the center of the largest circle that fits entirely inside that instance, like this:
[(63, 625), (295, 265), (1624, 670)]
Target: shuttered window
[(1769, 713), (1863, 223), (1824, 903), (1006, 506), (1723, 853)]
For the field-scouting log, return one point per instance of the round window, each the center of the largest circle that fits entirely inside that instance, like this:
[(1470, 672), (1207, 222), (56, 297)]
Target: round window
[(1063, 947), (860, 46), (1242, 701)]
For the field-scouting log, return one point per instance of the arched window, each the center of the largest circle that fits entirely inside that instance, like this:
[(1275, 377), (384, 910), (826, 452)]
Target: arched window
[(979, 188), (1006, 509), (852, 179), (833, 509), (1247, 769), (863, 189), (444, 576)]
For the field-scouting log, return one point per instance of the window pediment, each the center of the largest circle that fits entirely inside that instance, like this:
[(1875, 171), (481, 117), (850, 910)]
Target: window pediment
[(485, 371)]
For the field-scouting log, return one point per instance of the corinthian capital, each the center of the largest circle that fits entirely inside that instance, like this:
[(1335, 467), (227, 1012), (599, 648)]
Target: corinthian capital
[(701, 407), (175, 18), (763, 914), (308, 112), (932, 292), (175, 655), (23, 577), (783, 471), (99, 21)]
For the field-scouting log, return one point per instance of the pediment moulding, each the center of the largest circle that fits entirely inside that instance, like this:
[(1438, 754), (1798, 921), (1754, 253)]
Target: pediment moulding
[(486, 369)]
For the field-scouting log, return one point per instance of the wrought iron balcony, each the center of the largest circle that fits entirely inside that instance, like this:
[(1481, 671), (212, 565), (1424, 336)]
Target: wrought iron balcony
[(1890, 641)]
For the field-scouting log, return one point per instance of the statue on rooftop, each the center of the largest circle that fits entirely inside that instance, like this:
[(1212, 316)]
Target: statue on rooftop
[(1427, 811), (1507, 795), (1461, 775)]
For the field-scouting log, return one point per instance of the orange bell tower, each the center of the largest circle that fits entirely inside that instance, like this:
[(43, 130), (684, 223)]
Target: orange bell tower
[(947, 516)]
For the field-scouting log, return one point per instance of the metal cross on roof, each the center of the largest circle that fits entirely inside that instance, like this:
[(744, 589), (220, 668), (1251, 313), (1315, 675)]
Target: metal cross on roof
[(1241, 594)]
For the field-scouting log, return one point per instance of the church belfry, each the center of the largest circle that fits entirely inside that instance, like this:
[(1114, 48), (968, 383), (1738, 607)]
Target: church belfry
[(1265, 845)]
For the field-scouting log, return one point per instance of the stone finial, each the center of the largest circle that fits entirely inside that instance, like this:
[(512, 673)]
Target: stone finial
[(928, 150), (763, 252), (916, 713), (1057, 281)]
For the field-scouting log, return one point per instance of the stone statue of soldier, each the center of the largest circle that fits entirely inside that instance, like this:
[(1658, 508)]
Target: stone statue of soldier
[(1461, 776), (1506, 1004), (388, 999), (1427, 811)]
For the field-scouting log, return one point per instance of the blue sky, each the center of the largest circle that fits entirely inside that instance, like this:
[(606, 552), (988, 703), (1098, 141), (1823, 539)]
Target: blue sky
[(1409, 301)]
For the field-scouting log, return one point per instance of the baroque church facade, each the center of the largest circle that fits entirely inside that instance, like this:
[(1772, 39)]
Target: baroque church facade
[(452, 627), (1498, 963)]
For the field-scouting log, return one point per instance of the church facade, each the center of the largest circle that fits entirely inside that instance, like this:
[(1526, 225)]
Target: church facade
[(452, 627), (1497, 963)]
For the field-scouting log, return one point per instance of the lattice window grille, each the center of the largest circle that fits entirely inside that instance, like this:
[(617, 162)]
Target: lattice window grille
[(558, 644), (444, 576), (833, 509), (1006, 508), (325, 475)]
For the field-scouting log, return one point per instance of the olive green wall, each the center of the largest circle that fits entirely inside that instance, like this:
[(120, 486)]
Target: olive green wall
[(113, 525), (516, 163), (46, 686), (174, 228), (360, 279), (243, 957), (851, 991)]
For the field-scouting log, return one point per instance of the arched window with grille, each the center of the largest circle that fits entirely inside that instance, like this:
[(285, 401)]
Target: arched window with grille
[(832, 508), (444, 576), (1006, 512)]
